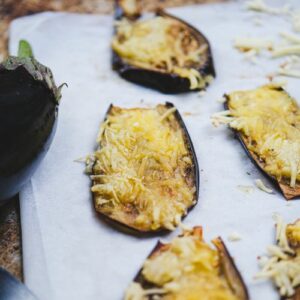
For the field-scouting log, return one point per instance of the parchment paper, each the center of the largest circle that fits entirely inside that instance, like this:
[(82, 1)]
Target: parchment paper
[(69, 252)]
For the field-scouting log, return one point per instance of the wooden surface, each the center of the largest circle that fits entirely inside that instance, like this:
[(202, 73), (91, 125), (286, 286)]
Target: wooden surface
[(10, 233)]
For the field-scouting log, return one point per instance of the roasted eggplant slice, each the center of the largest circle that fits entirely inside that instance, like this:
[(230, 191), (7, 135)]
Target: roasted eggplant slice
[(188, 268), (145, 173), (267, 123), (29, 102), (282, 265), (163, 52)]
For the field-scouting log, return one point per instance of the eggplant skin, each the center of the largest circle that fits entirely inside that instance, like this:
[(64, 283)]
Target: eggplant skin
[(287, 191), (167, 83), (28, 116), (228, 266), (192, 177)]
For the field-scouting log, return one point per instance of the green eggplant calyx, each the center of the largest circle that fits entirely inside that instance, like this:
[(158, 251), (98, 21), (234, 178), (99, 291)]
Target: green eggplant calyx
[(25, 49), (37, 71), (58, 93)]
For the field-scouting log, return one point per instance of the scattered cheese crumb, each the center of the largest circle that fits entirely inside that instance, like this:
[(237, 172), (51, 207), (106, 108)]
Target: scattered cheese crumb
[(247, 44), (202, 93), (234, 237), (261, 186), (261, 6), (290, 67), (222, 100), (246, 188), (296, 21), (283, 263), (290, 37), (281, 83), (289, 73), (286, 50), (81, 159), (251, 56)]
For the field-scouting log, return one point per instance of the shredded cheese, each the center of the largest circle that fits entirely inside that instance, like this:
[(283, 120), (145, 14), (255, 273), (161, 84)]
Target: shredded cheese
[(286, 50), (188, 269), (259, 183), (164, 44), (261, 6), (269, 120), (140, 168), (283, 263), (234, 237), (290, 37), (290, 67), (296, 20), (247, 44)]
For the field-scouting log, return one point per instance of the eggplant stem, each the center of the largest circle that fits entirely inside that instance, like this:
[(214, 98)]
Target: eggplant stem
[(25, 49)]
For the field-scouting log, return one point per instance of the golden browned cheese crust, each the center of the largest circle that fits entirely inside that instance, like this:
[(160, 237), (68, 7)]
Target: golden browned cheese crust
[(144, 172)]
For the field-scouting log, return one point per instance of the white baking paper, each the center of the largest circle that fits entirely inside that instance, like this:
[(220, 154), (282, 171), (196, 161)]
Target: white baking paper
[(69, 252)]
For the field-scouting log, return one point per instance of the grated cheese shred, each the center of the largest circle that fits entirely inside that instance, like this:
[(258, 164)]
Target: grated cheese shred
[(161, 43), (269, 120), (140, 168), (283, 262), (259, 183), (187, 268)]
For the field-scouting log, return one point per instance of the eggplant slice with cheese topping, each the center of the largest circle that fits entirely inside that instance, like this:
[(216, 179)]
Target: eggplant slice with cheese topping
[(188, 268), (145, 172), (267, 123), (162, 52), (282, 265)]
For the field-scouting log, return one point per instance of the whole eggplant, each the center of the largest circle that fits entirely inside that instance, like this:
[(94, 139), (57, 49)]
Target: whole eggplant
[(29, 102)]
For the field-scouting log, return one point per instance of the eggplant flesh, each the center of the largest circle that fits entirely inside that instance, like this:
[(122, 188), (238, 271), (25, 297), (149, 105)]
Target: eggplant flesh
[(225, 265), (29, 106), (283, 183), (134, 209), (156, 75)]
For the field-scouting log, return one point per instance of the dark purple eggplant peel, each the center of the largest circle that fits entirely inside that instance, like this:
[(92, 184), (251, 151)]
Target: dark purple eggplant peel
[(29, 102), (124, 216), (227, 267), (288, 191), (158, 77)]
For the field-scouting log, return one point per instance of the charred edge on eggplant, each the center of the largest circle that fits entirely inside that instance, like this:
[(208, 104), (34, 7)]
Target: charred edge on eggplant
[(288, 192), (192, 173), (227, 266), (29, 102), (165, 82)]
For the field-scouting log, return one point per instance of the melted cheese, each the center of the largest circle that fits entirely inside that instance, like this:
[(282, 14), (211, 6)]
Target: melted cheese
[(141, 167), (188, 270), (270, 121), (161, 43)]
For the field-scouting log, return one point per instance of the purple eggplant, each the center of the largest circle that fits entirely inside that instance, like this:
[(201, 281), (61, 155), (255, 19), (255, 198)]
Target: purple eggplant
[(29, 102)]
